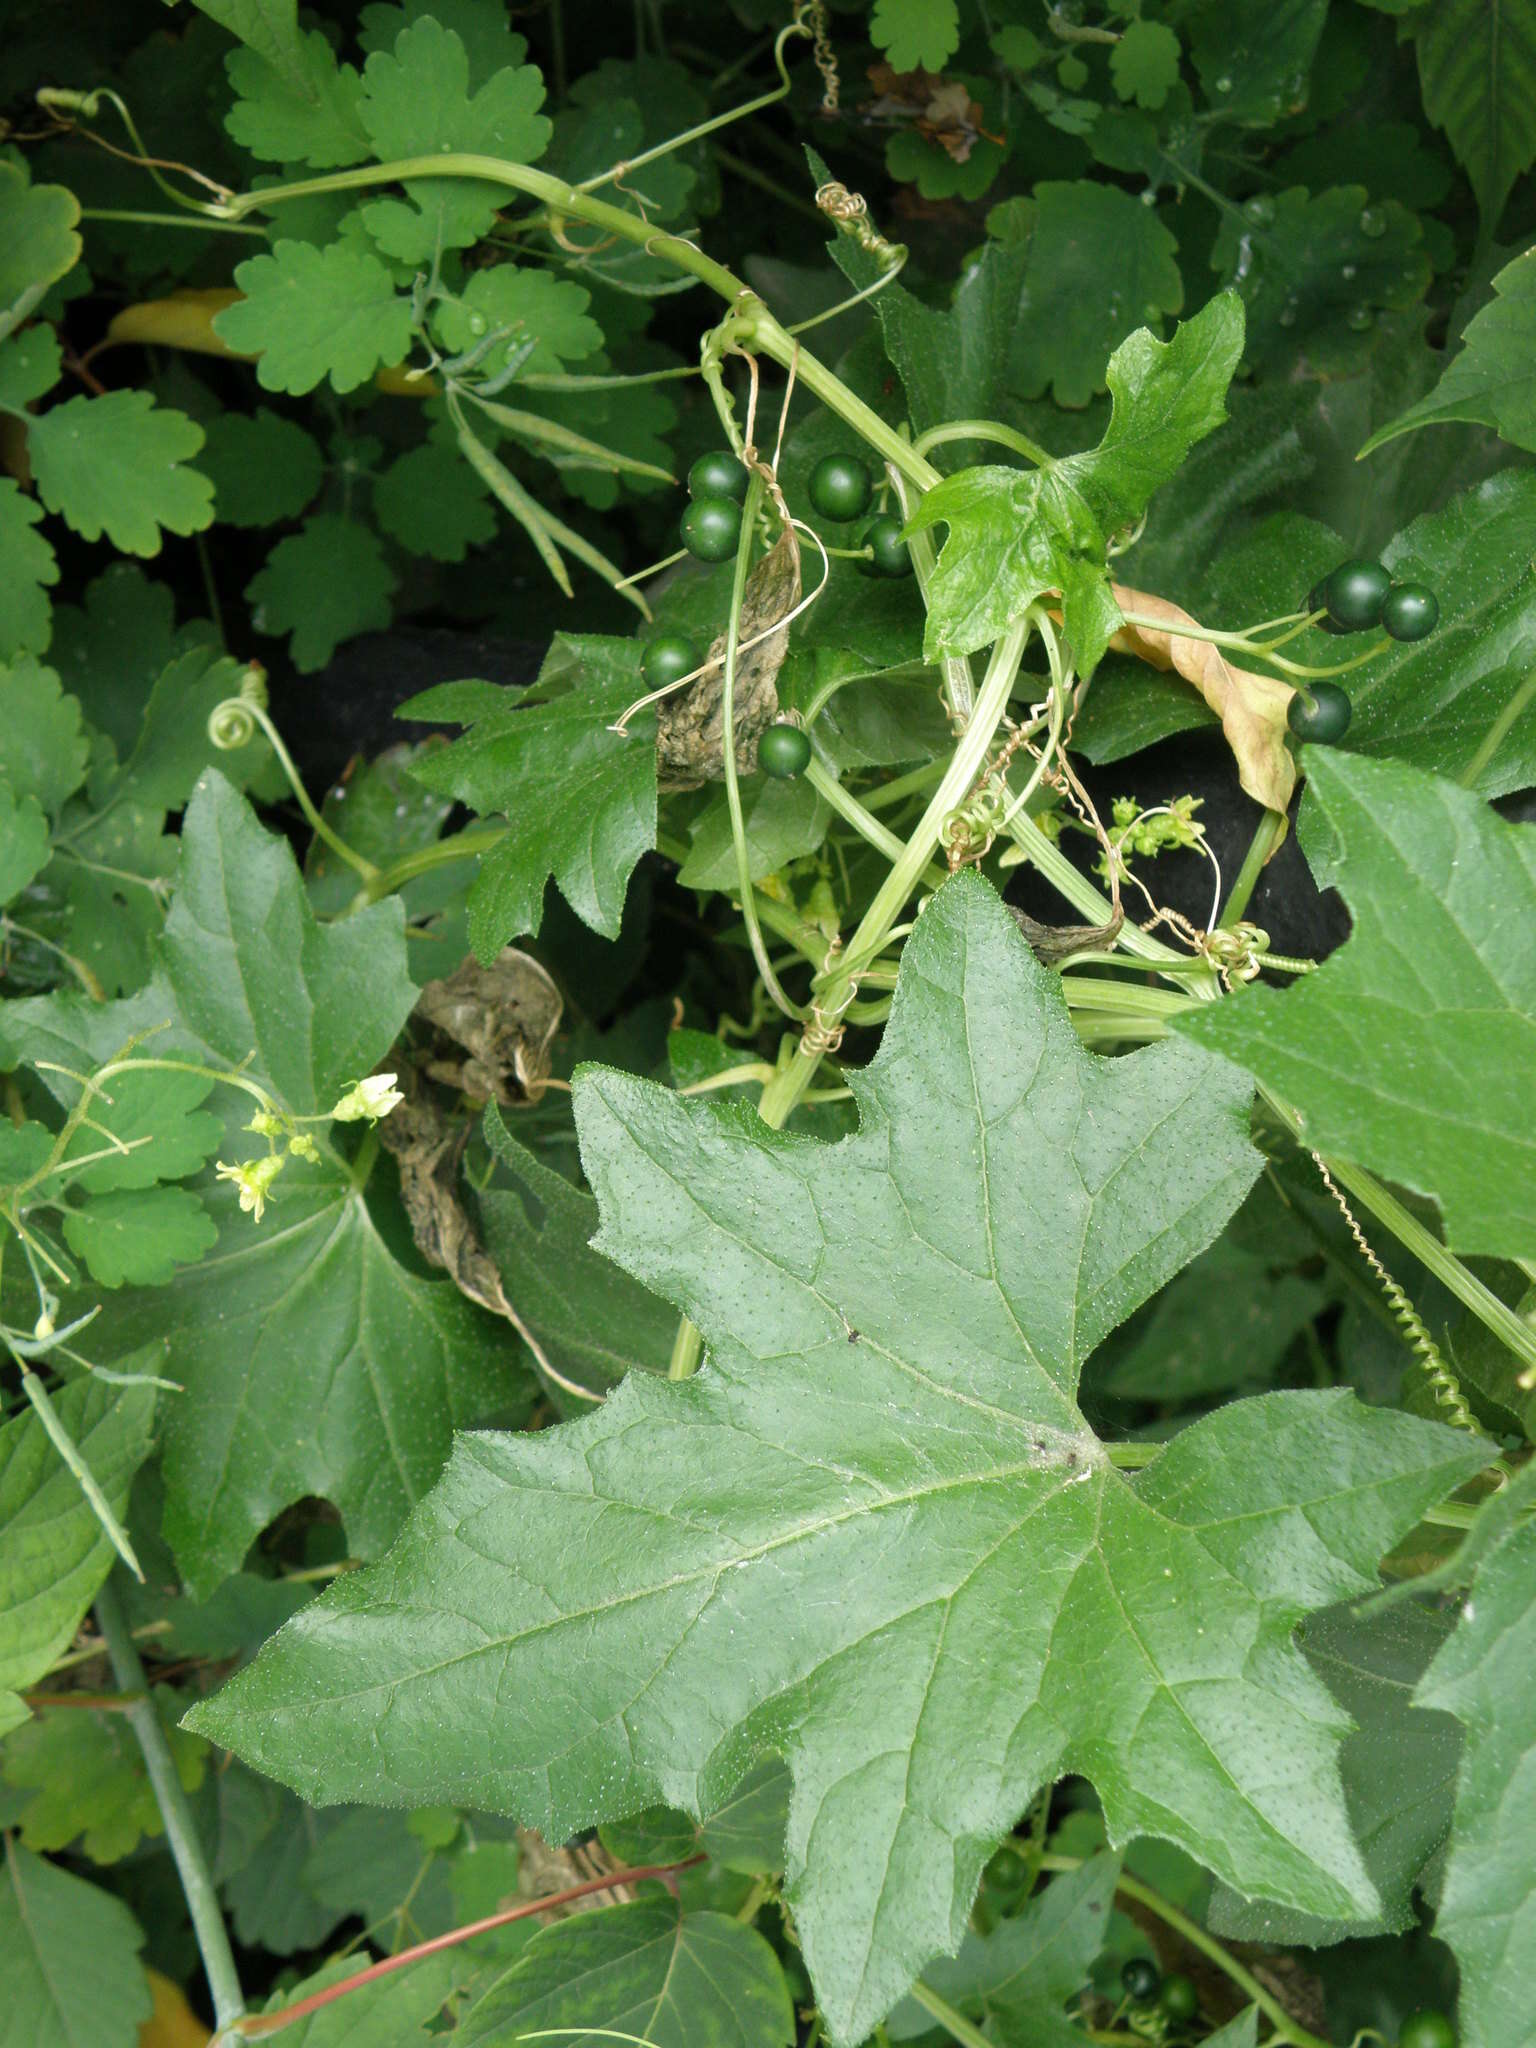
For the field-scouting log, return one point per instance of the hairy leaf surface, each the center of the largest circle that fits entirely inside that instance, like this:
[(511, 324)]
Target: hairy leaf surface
[(875, 1535), (1413, 1049)]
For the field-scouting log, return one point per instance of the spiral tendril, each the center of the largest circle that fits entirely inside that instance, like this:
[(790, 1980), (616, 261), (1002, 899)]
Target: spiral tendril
[(233, 722), (1441, 1381)]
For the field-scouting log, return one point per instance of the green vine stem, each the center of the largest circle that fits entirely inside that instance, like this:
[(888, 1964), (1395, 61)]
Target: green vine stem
[(756, 325), (954, 2023), (1268, 834), (906, 874), (85, 1478), (180, 1829), (984, 430), (849, 808), (233, 724)]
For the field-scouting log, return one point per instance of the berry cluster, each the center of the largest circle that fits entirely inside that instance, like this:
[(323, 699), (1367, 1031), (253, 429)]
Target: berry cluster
[(841, 488), (711, 526), (1360, 596)]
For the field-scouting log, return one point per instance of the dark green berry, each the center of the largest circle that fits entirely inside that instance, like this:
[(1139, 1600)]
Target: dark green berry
[(1141, 1977), (1426, 2029), (1325, 719), (1354, 594), (710, 529), (1411, 611), (1178, 1997), (668, 658), (888, 556), (783, 751), (841, 487), (1317, 601), (718, 475)]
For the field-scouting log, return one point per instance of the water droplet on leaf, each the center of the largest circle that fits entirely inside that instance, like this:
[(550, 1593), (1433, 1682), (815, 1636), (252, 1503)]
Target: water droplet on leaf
[(1373, 222)]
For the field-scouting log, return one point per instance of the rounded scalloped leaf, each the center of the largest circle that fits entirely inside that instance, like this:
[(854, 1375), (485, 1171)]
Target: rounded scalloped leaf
[(38, 243)]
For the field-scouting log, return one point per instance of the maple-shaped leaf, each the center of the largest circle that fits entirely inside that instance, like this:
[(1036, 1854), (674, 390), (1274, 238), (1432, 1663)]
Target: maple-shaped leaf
[(533, 307), (84, 1778), (315, 1361), (1315, 271), (580, 801), (304, 114), (875, 1534), (1015, 534), (310, 313), (322, 585), (489, 40), (915, 35), (114, 465), (1099, 264), (264, 468), (1413, 1049), (417, 102), (432, 502), (1144, 64)]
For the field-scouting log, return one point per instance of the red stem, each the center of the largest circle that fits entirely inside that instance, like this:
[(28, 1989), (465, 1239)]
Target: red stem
[(255, 2026)]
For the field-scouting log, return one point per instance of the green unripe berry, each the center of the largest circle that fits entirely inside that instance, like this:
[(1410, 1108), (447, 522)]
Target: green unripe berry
[(710, 529), (1178, 1997), (783, 751), (888, 556), (1141, 1978), (1411, 611), (1426, 2029), (718, 475), (1317, 601), (668, 658), (1354, 594), (1325, 720), (841, 487)]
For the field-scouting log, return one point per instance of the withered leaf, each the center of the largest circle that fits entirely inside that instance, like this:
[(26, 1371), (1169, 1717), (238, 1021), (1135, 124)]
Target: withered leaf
[(500, 1020), (690, 743), (1251, 707)]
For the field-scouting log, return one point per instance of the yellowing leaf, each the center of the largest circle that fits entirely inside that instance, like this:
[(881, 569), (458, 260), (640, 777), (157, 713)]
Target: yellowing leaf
[(1251, 707)]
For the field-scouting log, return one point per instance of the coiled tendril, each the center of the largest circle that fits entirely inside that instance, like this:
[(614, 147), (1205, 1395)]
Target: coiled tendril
[(233, 722)]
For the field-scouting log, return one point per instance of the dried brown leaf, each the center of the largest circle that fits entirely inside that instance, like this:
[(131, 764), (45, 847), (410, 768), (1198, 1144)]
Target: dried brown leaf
[(428, 1146), (690, 733), (499, 1021), (1251, 707)]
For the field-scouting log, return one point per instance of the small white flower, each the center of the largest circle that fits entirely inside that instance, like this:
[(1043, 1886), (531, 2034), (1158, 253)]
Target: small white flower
[(253, 1177), (372, 1098)]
